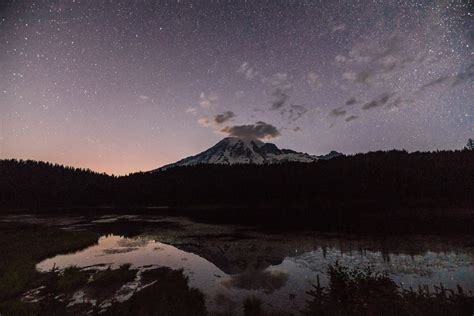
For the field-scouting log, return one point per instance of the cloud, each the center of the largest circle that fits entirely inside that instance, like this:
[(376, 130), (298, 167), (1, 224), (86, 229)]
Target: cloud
[(144, 97), (224, 117), (405, 63), (248, 71), (204, 122), (314, 80), (390, 48), (280, 88), (454, 80), (277, 86), (375, 60), (395, 103), (216, 120), (279, 80), (351, 101), (358, 77), (191, 110), (379, 101), (259, 130), (280, 98), (297, 129), (339, 27), (434, 82), (340, 59), (295, 112), (239, 94), (349, 75), (208, 100), (351, 118), (337, 112), (462, 76)]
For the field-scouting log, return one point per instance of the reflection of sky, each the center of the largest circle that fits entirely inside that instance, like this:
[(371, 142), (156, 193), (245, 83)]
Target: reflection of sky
[(293, 276)]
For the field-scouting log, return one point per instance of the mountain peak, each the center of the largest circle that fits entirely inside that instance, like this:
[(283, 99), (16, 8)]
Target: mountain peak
[(243, 150)]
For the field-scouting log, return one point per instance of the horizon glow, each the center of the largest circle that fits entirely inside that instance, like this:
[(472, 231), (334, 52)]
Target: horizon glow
[(126, 86)]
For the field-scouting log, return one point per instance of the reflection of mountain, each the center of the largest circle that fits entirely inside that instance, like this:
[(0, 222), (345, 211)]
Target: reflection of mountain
[(235, 252), (238, 257), (268, 281)]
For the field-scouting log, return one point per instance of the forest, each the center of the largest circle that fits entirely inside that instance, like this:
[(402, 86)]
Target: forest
[(377, 183)]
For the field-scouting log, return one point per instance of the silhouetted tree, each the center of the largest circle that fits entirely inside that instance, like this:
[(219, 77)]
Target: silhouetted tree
[(470, 144)]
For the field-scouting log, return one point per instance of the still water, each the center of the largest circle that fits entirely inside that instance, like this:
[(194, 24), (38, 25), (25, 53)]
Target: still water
[(231, 263)]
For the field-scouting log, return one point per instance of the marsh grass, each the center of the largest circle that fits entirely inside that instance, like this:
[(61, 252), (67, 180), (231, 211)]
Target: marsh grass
[(169, 295), (72, 279), (105, 283), (365, 292), (22, 246)]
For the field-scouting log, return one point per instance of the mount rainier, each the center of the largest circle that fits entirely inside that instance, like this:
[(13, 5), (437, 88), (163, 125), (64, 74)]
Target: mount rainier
[(234, 150)]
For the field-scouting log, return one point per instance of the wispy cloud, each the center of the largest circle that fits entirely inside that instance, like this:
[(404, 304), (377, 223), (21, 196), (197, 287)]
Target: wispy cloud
[(248, 71), (313, 80), (378, 101), (450, 80), (216, 120), (204, 121), (191, 110), (339, 27), (294, 112), (337, 112), (280, 86), (224, 117), (280, 98), (351, 101), (208, 100), (351, 118)]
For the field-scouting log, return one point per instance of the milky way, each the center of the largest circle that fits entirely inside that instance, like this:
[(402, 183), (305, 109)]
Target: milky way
[(122, 86)]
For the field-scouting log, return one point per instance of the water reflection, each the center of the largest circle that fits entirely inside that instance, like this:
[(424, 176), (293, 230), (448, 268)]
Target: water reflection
[(227, 271), (231, 263)]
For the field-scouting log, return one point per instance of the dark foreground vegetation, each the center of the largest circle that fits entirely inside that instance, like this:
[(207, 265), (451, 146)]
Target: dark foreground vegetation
[(421, 189), (24, 245), (364, 292)]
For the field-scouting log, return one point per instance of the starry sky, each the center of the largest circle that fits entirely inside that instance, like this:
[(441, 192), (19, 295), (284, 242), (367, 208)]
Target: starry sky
[(123, 86)]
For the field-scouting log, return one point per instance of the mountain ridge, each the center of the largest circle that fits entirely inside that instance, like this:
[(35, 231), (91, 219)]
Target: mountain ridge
[(240, 150)]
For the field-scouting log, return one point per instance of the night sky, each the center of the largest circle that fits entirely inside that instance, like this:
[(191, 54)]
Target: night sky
[(123, 86)]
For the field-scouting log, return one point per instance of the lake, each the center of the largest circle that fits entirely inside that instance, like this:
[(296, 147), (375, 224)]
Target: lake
[(229, 264)]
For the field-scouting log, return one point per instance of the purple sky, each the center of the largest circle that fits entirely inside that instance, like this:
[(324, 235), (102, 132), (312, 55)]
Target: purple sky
[(123, 86)]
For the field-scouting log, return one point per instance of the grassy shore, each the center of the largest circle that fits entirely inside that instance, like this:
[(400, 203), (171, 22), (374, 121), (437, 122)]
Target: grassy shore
[(23, 246)]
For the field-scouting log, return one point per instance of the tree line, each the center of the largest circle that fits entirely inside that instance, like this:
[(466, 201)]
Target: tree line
[(383, 180)]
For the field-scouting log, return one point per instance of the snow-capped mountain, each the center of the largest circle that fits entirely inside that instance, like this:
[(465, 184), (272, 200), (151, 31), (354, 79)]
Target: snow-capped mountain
[(234, 150)]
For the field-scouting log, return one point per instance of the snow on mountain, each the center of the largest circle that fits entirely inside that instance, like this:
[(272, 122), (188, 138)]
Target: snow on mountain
[(234, 150)]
